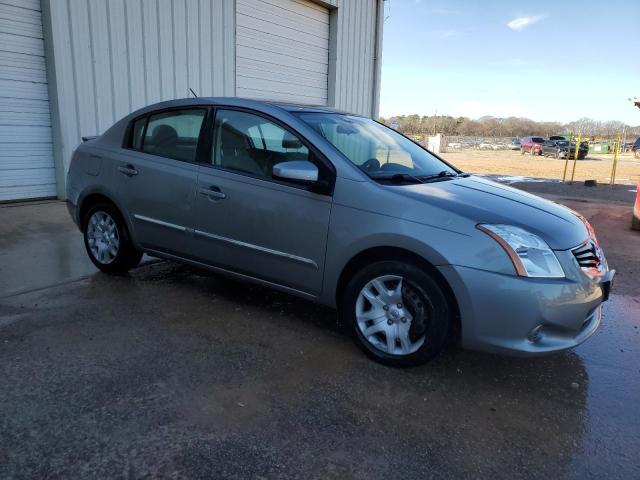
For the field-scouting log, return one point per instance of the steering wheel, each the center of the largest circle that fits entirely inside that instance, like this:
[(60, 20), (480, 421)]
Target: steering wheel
[(371, 165)]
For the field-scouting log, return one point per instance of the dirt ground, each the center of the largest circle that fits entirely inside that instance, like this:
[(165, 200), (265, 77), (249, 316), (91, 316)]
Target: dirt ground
[(512, 163)]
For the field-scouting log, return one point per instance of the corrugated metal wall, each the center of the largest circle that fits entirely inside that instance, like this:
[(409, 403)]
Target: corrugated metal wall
[(106, 58), (26, 152), (353, 54), (282, 50), (112, 57)]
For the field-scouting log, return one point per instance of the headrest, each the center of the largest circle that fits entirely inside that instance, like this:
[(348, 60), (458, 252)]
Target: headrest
[(291, 141), (163, 134)]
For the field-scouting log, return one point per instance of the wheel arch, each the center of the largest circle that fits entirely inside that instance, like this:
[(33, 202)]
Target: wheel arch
[(86, 201), (90, 200), (380, 253)]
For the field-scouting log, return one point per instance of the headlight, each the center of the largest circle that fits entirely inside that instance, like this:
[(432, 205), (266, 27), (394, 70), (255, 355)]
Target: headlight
[(531, 256)]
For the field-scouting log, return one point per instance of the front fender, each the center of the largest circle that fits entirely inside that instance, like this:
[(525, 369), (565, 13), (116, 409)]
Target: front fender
[(353, 231)]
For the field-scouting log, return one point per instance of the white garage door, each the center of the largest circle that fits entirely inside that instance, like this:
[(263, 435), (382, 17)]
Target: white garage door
[(282, 50), (26, 154)]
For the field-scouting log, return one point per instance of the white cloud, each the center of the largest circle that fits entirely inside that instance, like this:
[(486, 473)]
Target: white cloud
[(521, 23)]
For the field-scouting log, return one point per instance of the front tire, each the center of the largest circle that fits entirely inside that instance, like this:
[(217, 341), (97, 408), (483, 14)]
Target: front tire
[(398, 313), (107, 240)]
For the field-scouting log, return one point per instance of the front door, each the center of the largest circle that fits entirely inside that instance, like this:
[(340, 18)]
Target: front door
[(157, 175), (251, 223)]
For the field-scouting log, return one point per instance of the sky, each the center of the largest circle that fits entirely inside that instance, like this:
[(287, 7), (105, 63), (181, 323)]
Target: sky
[(550, 60)]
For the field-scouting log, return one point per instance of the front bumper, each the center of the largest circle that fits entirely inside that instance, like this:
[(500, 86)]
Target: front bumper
[(527, 316), (581, 154)]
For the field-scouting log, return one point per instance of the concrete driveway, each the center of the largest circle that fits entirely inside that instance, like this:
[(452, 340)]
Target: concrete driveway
[(173, 372)]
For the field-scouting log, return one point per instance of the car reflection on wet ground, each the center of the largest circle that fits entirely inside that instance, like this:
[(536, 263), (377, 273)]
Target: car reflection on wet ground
[(172, 371)]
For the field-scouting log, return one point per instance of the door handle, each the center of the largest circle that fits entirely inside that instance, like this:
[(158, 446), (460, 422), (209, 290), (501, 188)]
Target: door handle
[(213, 192), (129, 170)]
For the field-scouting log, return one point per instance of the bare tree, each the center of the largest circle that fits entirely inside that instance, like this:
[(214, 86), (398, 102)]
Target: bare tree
[(507, 127)]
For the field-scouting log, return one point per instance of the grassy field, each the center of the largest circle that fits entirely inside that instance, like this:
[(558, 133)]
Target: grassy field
[(512, 163)]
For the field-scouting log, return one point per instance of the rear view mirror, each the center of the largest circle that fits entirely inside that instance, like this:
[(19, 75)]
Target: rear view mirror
[(300, 171)]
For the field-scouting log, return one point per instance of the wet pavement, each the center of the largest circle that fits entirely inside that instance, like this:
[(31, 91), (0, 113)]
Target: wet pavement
[(172, 371)]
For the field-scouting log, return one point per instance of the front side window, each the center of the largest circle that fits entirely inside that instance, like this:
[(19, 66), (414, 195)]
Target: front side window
[(173, 134), (377, 150), (248, 143)]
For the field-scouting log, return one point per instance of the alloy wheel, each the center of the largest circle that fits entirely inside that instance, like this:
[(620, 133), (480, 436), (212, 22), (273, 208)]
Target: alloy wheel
[(103, 237)]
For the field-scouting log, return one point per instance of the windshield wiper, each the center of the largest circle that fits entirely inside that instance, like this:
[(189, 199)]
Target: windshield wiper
[(403, 177), (406, 177), (443, 175), (398, 178)]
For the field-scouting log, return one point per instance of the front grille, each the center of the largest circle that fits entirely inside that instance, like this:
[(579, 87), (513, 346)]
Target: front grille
[(588, 255)]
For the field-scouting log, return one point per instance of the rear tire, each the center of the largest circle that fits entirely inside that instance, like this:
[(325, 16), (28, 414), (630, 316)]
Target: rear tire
[(107, 240), (398, 313)]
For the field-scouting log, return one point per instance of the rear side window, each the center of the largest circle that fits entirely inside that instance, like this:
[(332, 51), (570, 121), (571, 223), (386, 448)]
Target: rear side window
[(172, 134)]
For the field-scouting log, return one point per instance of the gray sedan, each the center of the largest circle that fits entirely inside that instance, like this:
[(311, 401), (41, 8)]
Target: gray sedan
[(342, 210)]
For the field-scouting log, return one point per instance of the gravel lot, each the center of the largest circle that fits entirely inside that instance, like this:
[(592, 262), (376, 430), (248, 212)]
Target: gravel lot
[(508, 162)]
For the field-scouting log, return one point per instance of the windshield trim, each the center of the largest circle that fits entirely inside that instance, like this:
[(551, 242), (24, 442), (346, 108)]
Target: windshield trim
[(353, 165)]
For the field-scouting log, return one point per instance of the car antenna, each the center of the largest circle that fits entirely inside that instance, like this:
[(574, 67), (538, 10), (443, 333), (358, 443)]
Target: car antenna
[(192, 92)]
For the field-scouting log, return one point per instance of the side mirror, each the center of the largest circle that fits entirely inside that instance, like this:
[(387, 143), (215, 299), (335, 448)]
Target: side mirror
[(300, 171)]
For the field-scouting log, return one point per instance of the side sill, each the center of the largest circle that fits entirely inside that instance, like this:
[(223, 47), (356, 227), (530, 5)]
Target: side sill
[(232, 274)]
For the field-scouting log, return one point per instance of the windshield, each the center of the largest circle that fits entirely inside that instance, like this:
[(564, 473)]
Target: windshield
[(537, 140), (377, 150)]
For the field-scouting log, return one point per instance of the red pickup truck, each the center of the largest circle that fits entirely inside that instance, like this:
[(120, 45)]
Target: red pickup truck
[(532, 145)]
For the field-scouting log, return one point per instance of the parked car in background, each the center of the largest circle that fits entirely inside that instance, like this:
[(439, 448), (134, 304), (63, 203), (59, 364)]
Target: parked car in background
[(347, 212), (558, 137), (488, 146), (515, 144), (559, 149), (636, 148), (532, 145)]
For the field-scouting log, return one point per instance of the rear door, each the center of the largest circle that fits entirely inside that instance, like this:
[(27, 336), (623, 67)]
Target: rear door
[(157, 177), (248, 221)]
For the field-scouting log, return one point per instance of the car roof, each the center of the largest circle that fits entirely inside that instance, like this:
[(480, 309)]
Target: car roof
[(258, 105), (300, 107)]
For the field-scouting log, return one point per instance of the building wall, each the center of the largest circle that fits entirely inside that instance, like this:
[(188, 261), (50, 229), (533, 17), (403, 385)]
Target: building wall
[(26, 151), (355, 46), (109, 58), (106, 58)]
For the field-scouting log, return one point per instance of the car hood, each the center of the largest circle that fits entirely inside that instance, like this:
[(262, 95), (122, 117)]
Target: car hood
[(484, 201)]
